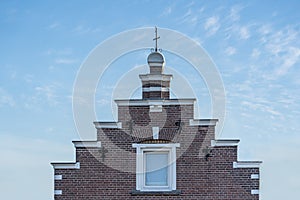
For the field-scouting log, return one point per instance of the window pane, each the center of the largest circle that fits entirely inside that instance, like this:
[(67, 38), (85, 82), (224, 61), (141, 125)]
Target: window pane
[(156, 169)]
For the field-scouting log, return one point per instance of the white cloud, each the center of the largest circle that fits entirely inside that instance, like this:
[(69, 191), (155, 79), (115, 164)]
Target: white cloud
[(279, 41), (53, 25), (45, 94), (230, 51), (65, 61), (234, 14), (48, 92), (62, 52), (167, 11), (13, 74), (103, 102), (244, 32), (282, 49), (190, 17), (255, 53), (290, 59), (81, 29), (261, 107), (265, 29), (191, 4), (6, 99), (28, 78), (212, 25)]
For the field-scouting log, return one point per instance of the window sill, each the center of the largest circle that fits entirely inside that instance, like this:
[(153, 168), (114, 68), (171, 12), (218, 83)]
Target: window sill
[(169, 193)]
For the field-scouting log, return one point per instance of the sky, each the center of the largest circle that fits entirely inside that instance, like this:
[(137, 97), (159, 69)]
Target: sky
[(254, 44)]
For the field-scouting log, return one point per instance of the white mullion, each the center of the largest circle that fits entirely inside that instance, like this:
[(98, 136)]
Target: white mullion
[(173, 166), (139, 168)]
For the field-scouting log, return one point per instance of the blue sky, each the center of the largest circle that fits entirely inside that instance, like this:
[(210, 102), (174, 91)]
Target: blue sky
[(254, 44)]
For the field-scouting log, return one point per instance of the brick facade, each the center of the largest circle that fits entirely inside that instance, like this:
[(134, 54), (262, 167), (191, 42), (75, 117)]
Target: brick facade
[(206, 168)]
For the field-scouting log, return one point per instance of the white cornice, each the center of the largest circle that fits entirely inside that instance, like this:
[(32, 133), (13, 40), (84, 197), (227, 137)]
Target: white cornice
[(108, 125), (91, 144), (141, 145), (156, 77), (149, 102), (66, 165), (203, 122), (224, 142), (247, 164)]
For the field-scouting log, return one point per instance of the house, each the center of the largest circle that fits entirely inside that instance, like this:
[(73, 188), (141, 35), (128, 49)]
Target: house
[(156, 150)]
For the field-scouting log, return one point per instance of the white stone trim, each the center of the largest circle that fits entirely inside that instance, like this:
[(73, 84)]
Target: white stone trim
[(155, 132), (156, 77), (149, 102), (161, 65), (140, 149), (57, 192), (203, 122), (96, 144), (155, 89), (254, 176), (160, 145), (66, 165), (156, 108), (99, 125), (57, 177), (224, 142), (254, 191), (247, 164)]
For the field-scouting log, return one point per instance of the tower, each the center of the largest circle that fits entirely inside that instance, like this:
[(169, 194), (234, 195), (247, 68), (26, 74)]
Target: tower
[(156, 84)]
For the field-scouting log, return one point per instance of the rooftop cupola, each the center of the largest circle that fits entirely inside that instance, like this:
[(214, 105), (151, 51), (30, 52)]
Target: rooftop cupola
[(156, 62), (156, 84)]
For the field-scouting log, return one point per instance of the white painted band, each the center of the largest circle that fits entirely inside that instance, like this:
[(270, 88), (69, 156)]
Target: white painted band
[(203, 122), (108, 125), (156, 77), (155, 89), (254, 191), (246, 164), (148, 102), (96, 144), (58, 192), (224, 142), (57, 177), (254, 176), (66, 165)]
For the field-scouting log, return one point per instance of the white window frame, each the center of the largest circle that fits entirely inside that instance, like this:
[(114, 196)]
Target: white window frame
[(141, 150)]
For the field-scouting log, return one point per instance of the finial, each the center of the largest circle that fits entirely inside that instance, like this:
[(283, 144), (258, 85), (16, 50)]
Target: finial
[(156, 38)]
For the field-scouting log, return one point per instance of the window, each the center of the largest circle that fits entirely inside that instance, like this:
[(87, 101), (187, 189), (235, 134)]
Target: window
[(156, 167)]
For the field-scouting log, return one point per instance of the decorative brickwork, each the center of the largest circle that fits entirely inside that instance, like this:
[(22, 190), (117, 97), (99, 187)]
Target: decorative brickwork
[(206, 168)]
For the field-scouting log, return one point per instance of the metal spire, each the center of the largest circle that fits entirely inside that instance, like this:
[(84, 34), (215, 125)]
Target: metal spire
[(156, 38)]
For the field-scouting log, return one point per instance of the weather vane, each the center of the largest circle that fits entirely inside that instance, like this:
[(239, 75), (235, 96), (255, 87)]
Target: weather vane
[(156, 38)]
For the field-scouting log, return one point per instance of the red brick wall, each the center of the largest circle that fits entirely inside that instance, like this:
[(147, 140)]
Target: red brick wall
[(197, 177)]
